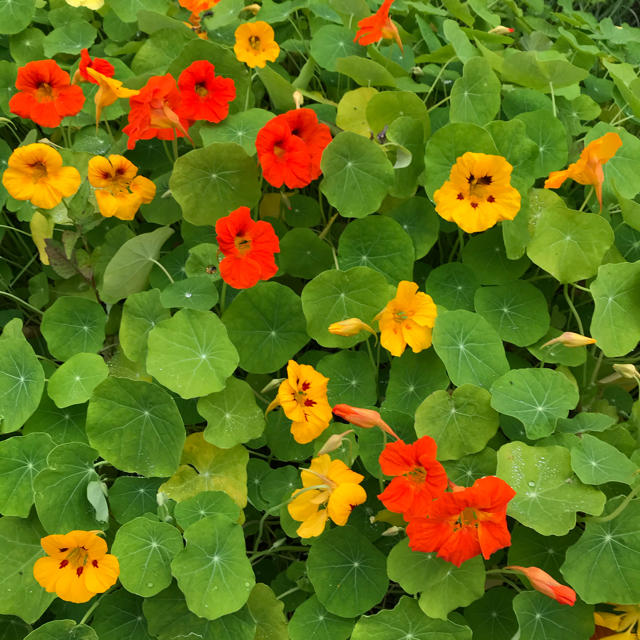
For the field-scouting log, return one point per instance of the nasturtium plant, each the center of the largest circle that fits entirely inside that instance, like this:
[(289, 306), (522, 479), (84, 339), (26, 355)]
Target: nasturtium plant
[(319, 319)]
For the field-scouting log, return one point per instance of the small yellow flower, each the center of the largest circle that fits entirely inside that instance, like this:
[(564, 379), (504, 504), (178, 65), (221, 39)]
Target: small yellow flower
[(36, 174), (407, 320), (77, 566), (255, 44), (303, 398), (338, 491), (478, 193)]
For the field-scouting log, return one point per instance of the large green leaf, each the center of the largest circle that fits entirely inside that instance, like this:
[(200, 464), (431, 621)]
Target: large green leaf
[(15, 15), (268, 614), (452, 286), (336, 295), (223, 175), (616, 316), (548, 494), (311, 621), (131, 497), (536, 397), (21, 459), (136, 426), (239, 128), (203, 505), (470, 348), (191, 353), (475, 97), (365, 72), (549, 135), (406, 620), (357, 174), (62, 425), (69, 38), (267, 326), (232, 415), (347, 572), (75, 380), (120, 616), (351, 378), (598, 462), (331, 42), (62, 630), (20, 594), (129, 269), (491, 617), (531, 69), (127, 10), (144, 549), (213, 571)]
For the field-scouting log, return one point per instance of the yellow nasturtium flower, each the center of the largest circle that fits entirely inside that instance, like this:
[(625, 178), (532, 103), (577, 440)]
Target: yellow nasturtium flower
[(109, 90), (625, 620), (255, 44), (338, 491)]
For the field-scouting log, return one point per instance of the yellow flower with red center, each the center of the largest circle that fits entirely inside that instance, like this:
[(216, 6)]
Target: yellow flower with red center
[(255, 44), (478, 193), (109, 90), (35, 173), (331, 490), (588, 168), (303, 398), (119, 191), (408, 319), (77, 566)]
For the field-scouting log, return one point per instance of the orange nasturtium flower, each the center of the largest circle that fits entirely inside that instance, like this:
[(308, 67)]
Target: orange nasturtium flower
[(338, 491), (625, 620), (35, 173), (77, 566), (119, 191), (303, 398), (541, 581), (377, 27), (198, 6), (255, 44), (478, 193), (588, 168), (109, 90), (97, 64), (407, 320)]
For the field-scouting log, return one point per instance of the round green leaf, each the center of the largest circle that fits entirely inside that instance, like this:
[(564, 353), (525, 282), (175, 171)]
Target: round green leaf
[(21, 459), (120, 616), (512, 142), (70, 38), (239, 128), (62, 630), (140, 313), (550, 136), (144, 549), (14, 628), (378, 242), (232, 415), (518, 311), (198, 293), (407, 620), (470, 348), (332, 42), (542, 617), (75, 380), (475, 97), (303, 212), (336, 295), (191, 353), (420, 220), (365, 72), (303, 254), (530, 69), (452, 286), (570, 245), (222, 174), (15, 15), (387, 106), (548, 494), (357, 175), (597, 462), (21, 382), (347, 572), (536, 397), (61, 489), (616, 317), (351, 378), (311, 621), (267, 326), (466, 470), (205, 504), (73, 325), (460, 423), (351, 113), (268, 613), (136, 426), (62, 425), (213, 571), (131, 497), (491, 617)]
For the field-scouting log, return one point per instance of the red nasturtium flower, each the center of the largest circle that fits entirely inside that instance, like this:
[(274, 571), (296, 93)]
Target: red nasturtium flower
[(464, 523), (248, 248), (377, 27), (45, 94), (205, 96), (154, 112), (198, 6), (290, 147), (541, 581), (419, 477), (97, 64)]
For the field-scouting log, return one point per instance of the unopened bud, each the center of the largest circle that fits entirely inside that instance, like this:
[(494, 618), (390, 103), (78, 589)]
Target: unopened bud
[(333, 442), (501, 31), (627, 371), (366, 418), (570, 339), (254, 8), (298, 98), (350, 327)]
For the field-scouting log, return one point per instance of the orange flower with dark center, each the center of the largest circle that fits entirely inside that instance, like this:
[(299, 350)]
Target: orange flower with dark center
[(154, 112), (205, 96), (45, 94), (478, 193), (419, 477), (77, 566), (588, 168), (304, 124), (465, 523), (100, 65), (248, 248), (378, 27)]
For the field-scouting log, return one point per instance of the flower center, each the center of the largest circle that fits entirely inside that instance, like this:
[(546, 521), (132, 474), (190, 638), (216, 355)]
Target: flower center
[(77, 558), (301, 396), (254, 42), (400, 316), (243, 245), (39, 170), (418, 475), (44, 93), (468, 518), (201, 89), (476, 184)]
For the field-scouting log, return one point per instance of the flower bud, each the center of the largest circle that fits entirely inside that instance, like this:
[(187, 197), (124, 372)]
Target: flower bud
[(627, 371), (349, 327), (366, 418), (501, 31), (298, 98), (570, 339), (333, 442), (544, 583)]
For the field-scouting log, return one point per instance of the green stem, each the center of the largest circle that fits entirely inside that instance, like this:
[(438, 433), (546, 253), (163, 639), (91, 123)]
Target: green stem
[(21, 301), (620, 508), (166, 273), (324, 232), (174, 146), (6, 226), (287, 592), (587, 198), (246, 101), (93, 607), (553, 100), (565, 291), (223, 296)]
